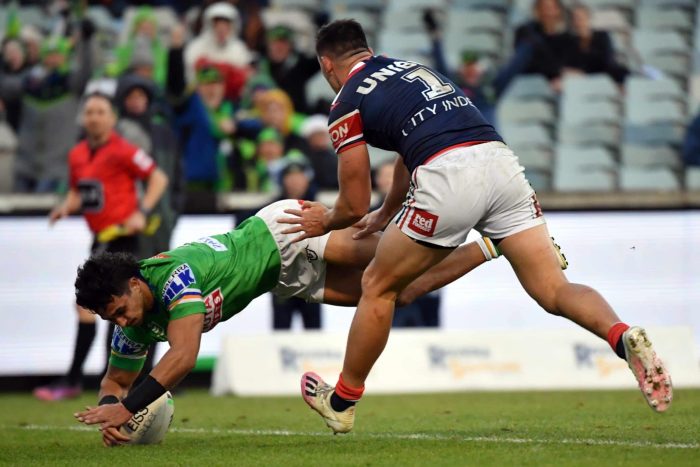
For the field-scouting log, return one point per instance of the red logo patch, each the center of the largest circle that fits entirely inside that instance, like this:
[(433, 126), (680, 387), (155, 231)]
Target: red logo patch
[(536, 206), (423, 222), (214, 302)]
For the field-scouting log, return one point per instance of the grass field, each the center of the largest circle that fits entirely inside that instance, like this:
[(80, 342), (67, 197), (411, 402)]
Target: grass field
[(515, 428)]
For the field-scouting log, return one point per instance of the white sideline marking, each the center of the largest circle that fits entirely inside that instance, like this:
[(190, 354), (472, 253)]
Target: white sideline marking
[(417, 436)]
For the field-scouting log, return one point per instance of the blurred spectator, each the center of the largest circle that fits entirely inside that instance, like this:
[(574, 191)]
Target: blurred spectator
[(483, 87), (32, 39), (104, 169), (550, 41), (691, 144), (277, 111), (12, 74), (296, 178), (296, 181), (8, 147), (219, 44), (143, 49), (593, 51), (141, 125), (270, 151), (289, 69), (205, 124), (249, 163), (320, 152), (48, 126)]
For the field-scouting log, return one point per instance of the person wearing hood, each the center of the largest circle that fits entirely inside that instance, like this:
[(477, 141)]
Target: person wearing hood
[(289, 69), (205, 122), (141, 124), (219, 44), (144, 46), (48, 127)]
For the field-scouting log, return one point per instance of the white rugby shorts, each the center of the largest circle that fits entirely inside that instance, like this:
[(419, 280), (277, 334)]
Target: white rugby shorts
[(478, 187), (303, 270)]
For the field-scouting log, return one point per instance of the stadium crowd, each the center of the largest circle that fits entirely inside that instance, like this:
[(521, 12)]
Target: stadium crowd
[(220, 90)]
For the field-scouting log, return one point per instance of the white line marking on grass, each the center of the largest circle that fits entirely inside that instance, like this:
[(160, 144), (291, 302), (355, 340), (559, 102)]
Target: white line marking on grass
[(397, 436)]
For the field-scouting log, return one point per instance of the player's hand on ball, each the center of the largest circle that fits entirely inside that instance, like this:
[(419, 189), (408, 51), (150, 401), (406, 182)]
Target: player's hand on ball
[(310, 219), (374, 221), (113, 437), (108, 415)]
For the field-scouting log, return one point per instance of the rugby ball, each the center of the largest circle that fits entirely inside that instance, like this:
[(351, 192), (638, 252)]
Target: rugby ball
[(149, 425)]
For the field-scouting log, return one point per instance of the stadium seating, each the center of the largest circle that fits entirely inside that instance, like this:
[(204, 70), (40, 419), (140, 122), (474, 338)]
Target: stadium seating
[(644, 178), (584, 169), (692, 178), (633, 155), (523, 111)]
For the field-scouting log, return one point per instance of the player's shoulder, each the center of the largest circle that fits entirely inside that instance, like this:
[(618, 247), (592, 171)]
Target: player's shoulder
[(81, 149)]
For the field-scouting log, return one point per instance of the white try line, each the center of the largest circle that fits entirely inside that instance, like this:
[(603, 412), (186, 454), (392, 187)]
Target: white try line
[(395, 436)]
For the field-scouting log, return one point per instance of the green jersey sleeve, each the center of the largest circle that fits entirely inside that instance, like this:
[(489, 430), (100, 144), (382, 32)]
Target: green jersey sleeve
[(129, 349)]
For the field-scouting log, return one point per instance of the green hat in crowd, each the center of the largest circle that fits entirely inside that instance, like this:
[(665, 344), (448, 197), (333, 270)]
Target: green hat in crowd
[(144, 13), (469, 56), (280, 32), (269, 134), (209, 74), (59, 45)]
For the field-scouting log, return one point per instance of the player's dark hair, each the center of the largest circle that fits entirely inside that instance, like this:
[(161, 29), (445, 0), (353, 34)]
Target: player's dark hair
[(102, 276), (341, 37)]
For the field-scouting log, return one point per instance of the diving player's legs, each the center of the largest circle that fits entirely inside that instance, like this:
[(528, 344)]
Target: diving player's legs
[(537, 267)]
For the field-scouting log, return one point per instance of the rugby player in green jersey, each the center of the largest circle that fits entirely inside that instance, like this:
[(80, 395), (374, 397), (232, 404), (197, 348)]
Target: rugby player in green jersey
[(177, 295)]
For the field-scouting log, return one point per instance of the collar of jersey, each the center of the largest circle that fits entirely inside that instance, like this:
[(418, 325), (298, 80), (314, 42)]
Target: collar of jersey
[(355, 68)]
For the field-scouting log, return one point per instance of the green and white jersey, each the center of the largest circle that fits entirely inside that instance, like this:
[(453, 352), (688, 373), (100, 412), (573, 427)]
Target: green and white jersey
[(217, 276)]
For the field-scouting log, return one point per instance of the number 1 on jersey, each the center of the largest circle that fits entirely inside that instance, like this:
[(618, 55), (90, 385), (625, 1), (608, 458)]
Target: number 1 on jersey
[(436, 87)]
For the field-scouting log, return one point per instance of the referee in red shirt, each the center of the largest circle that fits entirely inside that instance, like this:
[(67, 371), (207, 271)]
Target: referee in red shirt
[(104, 170)]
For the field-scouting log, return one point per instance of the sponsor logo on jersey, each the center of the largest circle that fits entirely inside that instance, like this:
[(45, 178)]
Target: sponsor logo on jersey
[(91, 192), (346, 131), (311, 255), (142, 160), (179, 279), (123, 345), (423, 222), (213, 243), (214, 303), (370, 83), (157, 331), (537, 209)]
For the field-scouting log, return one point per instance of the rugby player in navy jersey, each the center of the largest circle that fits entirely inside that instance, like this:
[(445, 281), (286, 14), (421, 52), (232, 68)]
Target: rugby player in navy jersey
[(455, 173)]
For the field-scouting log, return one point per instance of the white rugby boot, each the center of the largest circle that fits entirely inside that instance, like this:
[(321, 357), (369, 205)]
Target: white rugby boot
[(317, 394), (652, 377)]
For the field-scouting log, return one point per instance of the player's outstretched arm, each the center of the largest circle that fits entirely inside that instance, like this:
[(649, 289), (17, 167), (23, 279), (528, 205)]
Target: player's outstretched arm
[(377, 220), (184, 335), (463, 259)]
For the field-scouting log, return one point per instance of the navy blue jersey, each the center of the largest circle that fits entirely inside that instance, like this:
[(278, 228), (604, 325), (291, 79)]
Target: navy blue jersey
[(404, 107)]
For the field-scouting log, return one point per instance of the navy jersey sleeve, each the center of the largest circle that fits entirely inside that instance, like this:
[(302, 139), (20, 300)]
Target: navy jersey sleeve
[(345, 126)]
